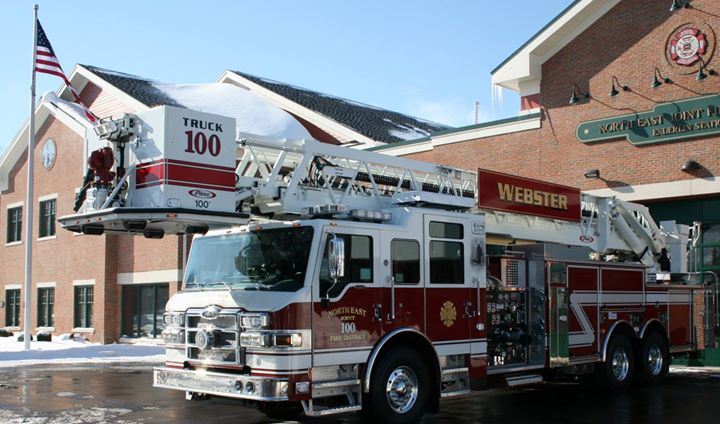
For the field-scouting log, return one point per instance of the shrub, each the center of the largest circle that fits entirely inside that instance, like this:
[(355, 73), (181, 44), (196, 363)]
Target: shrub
[(44, 337)]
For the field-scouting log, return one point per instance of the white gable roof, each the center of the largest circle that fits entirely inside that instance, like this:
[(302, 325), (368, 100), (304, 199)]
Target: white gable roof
[(522, 71)]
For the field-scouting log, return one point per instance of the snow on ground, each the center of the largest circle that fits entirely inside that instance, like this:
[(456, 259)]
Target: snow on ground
[(252, 113), (68, 351)]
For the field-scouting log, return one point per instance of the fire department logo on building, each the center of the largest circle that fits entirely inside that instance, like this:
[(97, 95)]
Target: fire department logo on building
[(448, 314), (686, 47), (689, 44)]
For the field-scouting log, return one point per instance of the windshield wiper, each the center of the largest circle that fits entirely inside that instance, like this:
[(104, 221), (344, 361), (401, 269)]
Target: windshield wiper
[(197, 284), (227, 286)]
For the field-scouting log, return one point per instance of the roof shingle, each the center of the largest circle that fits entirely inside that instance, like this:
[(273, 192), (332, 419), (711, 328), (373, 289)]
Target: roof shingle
[(378, 124)]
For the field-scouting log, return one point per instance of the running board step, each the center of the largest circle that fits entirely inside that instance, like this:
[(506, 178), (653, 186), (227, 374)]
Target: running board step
[(455, 382), (310, 410), (335, 388), (523, 380)]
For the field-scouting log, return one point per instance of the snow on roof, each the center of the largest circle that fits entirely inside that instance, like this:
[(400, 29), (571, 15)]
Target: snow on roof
[(369, 121), (252, 114), (407, 131), (73, 109)]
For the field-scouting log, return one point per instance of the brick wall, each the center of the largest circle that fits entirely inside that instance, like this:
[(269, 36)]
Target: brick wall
[(66, 257), (628, 42)]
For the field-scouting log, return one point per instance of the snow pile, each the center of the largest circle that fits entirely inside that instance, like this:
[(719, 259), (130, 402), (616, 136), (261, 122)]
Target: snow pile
[(66, 350), (73, 109), (253, 114)]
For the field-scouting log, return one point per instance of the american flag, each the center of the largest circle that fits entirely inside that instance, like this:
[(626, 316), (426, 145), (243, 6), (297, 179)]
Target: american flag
[(46, 62)]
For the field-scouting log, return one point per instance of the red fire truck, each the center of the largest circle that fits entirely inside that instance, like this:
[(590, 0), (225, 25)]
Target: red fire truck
[(337, 280)]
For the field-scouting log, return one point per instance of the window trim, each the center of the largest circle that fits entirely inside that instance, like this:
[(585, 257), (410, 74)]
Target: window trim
[(51, 312), (13, 287), (15, 205), (76, 305), (41, 200)]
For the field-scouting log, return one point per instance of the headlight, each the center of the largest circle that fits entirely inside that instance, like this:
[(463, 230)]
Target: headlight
[(178, 319), (265, 339), (173, 336), (174, 318), (255, 340), (254, 321)]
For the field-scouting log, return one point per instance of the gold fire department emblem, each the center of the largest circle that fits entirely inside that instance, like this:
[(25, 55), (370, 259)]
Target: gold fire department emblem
[(448, 313)]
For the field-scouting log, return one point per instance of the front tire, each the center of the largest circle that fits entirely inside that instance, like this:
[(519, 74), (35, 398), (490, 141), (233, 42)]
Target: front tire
[(399, 388), (616, 373), (654, 359)]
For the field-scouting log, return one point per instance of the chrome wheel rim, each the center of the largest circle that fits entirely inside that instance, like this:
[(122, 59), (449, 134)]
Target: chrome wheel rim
[(655, 360), (401, 389), (620, 364)]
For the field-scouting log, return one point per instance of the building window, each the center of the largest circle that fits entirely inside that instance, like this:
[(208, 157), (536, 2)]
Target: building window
[(12, 308), (83, 306), (46, 301), (14, 224), (47, 217), (143, 306)]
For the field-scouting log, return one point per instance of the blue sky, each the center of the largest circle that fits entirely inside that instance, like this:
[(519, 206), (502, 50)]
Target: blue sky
[(430, 59)]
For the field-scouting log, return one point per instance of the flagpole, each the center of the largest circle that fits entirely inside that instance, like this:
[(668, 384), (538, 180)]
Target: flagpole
[(29, 199)]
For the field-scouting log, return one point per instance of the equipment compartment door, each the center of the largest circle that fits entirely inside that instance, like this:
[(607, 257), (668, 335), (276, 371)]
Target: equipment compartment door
[(583, 293), (449, 283), (559, 354)]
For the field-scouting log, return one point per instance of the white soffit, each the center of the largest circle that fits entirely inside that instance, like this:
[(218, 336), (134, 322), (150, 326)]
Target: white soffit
[(662, 191)]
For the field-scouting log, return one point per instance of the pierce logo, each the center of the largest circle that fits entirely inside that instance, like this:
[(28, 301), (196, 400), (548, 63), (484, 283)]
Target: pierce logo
[(201, 194), (687, 46), (586, 239)]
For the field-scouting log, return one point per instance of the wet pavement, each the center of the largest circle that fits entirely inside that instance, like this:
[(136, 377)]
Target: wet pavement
[(124, 394)]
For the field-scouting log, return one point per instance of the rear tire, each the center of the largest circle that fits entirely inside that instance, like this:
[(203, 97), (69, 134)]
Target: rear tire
[(399, 388), (616, 373), (653, 359)]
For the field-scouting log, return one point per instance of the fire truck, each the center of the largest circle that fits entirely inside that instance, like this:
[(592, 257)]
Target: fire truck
[(334, 279)]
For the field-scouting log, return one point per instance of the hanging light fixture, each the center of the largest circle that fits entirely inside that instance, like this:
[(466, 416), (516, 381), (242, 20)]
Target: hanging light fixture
[(677, 4), (613, 91), (702, 75), (657, 82), (576, 90)]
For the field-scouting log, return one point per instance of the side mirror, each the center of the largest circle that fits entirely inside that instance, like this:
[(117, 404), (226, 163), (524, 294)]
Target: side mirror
[(336, 258), (478, 255)]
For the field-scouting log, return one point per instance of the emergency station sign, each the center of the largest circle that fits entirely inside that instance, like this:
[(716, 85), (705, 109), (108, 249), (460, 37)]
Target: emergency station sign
[(509, 193)]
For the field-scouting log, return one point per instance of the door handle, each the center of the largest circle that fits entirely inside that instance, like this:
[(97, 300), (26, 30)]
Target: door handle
[(469, 313), (377, 312)]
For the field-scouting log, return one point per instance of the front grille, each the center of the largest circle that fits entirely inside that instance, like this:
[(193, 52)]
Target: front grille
[(213, 341)]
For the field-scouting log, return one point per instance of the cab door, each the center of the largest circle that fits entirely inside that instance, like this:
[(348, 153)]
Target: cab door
[(346, 312), (404, 291), (450, 288)]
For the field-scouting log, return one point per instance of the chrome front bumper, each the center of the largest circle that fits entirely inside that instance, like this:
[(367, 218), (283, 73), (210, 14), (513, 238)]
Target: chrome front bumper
[(218, 384)]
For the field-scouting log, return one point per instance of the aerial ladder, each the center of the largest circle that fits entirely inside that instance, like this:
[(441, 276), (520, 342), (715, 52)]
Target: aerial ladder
[(294, 179)]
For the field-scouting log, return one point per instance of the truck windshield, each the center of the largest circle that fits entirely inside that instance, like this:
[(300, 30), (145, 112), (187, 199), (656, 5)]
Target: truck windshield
[(274, 259)]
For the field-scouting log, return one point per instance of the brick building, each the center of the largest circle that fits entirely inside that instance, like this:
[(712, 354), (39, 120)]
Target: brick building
[(643, 123), (112, 286)]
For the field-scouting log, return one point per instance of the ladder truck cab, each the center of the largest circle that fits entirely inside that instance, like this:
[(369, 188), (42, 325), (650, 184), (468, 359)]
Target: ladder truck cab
[(333, 279)]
